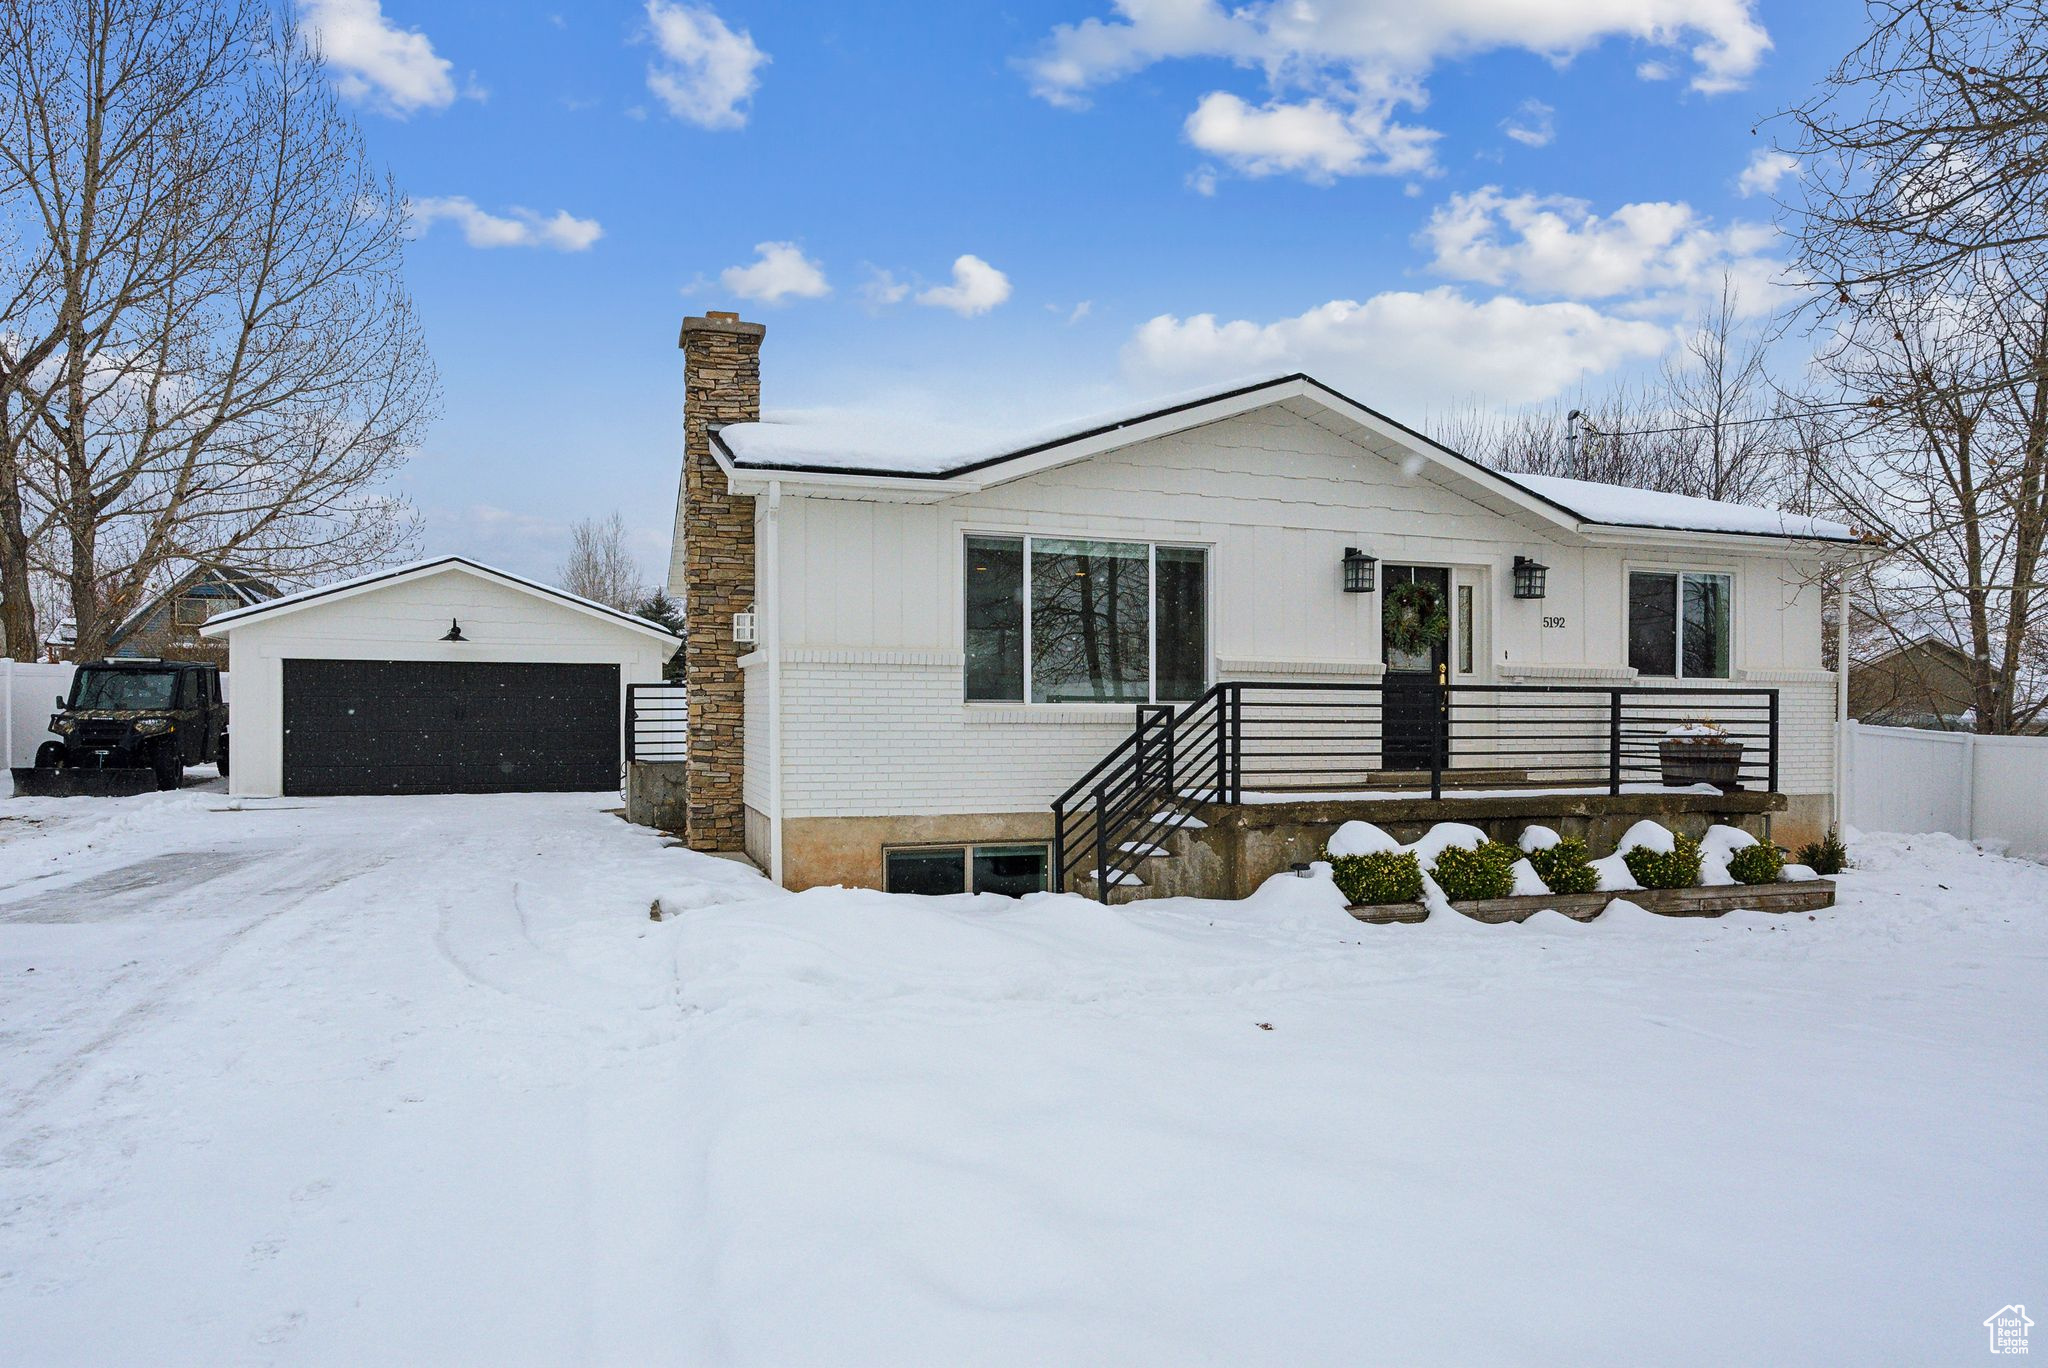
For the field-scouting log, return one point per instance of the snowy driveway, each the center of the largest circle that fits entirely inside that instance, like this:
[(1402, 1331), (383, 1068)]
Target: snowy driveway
[(416, 1080)]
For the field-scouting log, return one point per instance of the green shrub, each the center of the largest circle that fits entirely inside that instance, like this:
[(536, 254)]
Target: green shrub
[(1469, 875), (1385, 876), (1678, 867), (1566, 867), (1826, 858), (1757, 864)]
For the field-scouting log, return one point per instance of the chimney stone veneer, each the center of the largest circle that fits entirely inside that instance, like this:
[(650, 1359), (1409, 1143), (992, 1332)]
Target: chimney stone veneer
[(722, 384)]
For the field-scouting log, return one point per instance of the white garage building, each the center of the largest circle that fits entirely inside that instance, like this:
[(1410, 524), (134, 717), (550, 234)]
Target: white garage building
[(444, 676)]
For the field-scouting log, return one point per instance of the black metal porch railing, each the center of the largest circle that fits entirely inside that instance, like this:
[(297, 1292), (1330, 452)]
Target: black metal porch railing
[(657, 722), (1273, 739)]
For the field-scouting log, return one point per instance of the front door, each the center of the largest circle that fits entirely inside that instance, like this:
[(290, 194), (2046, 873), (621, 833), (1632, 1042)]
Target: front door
[(1414, 729)]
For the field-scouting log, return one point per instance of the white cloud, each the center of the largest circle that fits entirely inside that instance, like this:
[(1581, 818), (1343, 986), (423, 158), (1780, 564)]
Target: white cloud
[(1420, 349), (1766, 170), (780, 271), (374, 61), (977, 287), (882, 288), (1656, 254), (706, 71), (1354, 61), (517, 227), (1314, 138), (1533, 124)]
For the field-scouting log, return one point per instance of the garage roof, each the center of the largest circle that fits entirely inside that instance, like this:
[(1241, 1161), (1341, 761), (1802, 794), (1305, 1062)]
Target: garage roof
[(291, 603)]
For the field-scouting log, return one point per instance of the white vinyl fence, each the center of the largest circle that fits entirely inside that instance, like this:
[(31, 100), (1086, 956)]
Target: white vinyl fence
[(26, 694), (1981, 788)]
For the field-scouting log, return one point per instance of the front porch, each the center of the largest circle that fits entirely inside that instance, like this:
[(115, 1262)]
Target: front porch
[(1211, 799)]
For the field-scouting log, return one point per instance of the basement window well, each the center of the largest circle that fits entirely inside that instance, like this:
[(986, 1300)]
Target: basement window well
[(934, 871)]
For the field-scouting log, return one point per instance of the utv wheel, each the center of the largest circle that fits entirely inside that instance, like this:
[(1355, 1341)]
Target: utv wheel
[(169, 765)]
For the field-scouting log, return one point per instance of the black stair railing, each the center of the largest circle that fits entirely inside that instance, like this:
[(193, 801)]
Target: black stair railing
[(1308, 739)]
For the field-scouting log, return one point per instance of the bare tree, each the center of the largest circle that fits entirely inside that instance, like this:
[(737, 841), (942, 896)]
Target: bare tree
[(1710, 423), (599, 566), (1926, 148), (217, 359), (1925, 216)]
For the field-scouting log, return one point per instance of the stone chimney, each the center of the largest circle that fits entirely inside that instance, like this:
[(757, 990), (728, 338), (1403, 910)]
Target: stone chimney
[(722, 384)]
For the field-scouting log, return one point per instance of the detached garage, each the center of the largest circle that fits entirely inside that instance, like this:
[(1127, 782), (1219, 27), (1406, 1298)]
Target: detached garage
[(445, 676)]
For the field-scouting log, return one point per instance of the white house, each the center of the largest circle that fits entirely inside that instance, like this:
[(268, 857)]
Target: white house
[(949, 630), (443, 676)]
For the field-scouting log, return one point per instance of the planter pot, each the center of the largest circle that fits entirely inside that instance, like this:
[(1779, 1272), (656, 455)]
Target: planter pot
[(1701, 762)]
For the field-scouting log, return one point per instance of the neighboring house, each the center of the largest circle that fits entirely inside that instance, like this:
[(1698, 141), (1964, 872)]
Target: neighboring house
[(1192, 602), (166, 626), (62, 642), (1919, 683)]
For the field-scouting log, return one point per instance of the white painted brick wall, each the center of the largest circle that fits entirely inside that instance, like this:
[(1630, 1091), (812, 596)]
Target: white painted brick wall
[(883, 739), (871, 737)]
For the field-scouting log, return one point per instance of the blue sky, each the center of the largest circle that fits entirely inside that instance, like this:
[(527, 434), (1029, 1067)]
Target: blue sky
[(1011, 214)]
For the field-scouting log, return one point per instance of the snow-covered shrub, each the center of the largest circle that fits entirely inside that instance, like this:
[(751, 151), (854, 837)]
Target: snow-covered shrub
[(1384, 876), (1675, 867), (1565, 866), (1826, 858), (1359, 838), (1467, 874), (1756, 864)]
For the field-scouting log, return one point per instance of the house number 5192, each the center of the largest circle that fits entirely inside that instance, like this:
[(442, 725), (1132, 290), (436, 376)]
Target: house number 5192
[(1553, 622)]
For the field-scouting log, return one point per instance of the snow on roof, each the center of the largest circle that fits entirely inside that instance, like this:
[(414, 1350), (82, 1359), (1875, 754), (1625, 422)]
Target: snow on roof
[(302, 596), (1621, 506), (883, 444)]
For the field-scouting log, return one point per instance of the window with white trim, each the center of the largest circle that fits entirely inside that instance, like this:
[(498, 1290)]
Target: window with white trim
[(1064, 620), (1679, 623)]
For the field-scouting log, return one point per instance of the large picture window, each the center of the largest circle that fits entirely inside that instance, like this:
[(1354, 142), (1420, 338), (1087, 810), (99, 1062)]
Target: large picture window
[(1060, 620), (1679, 624)]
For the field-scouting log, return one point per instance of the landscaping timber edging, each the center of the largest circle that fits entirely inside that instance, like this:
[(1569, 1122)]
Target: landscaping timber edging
[(1719, 900)]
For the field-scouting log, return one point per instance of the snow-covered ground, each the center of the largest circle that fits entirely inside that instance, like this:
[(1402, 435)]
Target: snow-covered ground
[(417, 1080)]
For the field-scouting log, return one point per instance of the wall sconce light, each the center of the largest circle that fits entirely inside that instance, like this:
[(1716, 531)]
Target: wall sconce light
[(1358, 571), (1530, 577), (454, 632)]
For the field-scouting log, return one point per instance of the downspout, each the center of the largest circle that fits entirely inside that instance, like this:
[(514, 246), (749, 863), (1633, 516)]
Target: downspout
[(1842, 756), (768, 591)]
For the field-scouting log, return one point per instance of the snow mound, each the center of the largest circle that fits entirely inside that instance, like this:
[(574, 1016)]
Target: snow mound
[(1361, 838), (1614, 874), (1649, 835), (1444, 835), (1538, 838)]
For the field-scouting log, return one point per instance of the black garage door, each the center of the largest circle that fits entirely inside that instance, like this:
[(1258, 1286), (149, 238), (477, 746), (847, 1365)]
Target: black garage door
[(404, 726)]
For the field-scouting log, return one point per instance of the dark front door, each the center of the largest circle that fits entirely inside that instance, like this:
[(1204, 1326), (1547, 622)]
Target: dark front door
[(1414, 731), (416, 726)]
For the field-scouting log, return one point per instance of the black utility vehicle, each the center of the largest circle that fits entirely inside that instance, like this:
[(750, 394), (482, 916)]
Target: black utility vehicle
[(130, 725)]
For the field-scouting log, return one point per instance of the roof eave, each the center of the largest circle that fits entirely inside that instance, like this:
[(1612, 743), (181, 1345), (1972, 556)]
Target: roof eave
[(223, 623)]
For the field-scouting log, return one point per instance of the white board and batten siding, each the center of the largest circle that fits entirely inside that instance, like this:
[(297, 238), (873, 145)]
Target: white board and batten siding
[(871, 632), (405, 619)]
